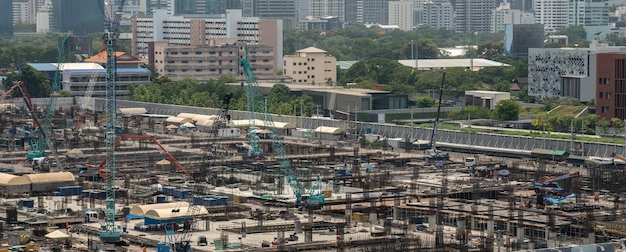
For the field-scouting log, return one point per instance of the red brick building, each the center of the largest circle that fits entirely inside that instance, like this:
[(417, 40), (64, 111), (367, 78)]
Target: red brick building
[(610, 86)]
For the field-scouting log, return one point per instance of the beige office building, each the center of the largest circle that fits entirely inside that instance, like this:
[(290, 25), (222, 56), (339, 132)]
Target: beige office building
[(219, 58), (311, 66), (197, 32)]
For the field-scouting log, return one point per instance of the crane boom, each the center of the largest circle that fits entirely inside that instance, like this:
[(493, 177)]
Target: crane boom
[(148, 138), (255, 100), (561, 177)]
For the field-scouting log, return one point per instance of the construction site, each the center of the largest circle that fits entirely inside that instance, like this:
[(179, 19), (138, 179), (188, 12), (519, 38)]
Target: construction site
[(98, 174), (122, 177)]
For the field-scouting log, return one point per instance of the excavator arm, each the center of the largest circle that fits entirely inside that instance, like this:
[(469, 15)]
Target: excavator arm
[(615, 155), (102, 168), (557, 178)]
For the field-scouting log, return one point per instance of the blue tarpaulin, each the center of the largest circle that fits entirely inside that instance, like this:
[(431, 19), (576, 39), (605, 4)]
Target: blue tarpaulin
[(132, 216)]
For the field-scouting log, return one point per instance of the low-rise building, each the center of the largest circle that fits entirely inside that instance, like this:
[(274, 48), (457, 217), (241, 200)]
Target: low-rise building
[(488, 99), (311, 66), (219, 58)]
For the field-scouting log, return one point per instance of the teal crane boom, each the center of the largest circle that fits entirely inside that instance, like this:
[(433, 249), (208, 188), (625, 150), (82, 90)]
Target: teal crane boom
[(256, 100)]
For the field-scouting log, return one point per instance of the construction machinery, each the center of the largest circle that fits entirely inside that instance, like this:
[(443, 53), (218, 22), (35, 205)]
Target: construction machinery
[(434, 154), (550, 184), (257, 106), (109, 233), (102, 168), (36, 155), (618, 157)]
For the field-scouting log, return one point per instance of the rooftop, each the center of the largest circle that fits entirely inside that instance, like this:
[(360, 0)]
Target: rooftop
[(426, 64), (49, 67), (311, 50)]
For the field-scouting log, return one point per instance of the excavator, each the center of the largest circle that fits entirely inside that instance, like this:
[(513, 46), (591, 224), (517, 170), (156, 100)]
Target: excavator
[(102, 169), (550, 184)]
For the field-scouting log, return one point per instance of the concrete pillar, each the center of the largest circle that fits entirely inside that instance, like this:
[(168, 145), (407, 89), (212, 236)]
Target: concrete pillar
[(432, 221), (373, 218), (395, 212), (520, 234), (348, 215), (550, 238), (490, 227)]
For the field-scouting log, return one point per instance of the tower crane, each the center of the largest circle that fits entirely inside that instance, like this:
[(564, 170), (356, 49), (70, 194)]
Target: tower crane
[(256, 101), (109, 233)]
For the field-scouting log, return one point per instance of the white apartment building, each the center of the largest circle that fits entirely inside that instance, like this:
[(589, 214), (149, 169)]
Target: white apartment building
[(21, 12), (401, 14), (327, 8), (551, 13), (438, 14), (182, 31), (311, 66), (505, 15)]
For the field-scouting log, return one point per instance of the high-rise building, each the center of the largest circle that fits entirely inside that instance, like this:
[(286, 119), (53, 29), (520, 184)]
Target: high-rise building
[(182, 31), (523, 5), (327, 8), (505, 15), (519, 37), (588, 13), (473, 15), (21, 11), (183, 7), (271, 9), (6, 19), (147, 7), (551, 13), (34, 7), (80, 17), (373, 11), (401, 14), (437, 14), (351, 12)]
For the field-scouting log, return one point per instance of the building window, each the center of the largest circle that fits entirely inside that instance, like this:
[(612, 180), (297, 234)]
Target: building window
[(601, 94), (608, 95), (184, 62), (605, 109)]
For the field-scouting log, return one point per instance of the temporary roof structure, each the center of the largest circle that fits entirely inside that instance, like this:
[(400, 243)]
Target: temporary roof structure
[(178, 120), (329, 130), (189, 125), (132, 111), (172, 213), (57, 235), (141, 210)]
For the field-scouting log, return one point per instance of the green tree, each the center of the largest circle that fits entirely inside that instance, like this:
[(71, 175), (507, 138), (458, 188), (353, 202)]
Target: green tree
[(618, 125), (507, 110), (65, 93), (604, 125), (425, 102), (36, 83), (522, 95), (490, 50)]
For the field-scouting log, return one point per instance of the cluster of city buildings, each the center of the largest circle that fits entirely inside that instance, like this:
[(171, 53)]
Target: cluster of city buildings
[(462, 16)]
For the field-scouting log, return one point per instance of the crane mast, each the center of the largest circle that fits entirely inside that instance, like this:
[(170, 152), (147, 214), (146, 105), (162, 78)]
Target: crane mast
[(109, 233)]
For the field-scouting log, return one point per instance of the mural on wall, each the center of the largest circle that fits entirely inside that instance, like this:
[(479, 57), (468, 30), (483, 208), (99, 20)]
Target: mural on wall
[(546, 66)]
